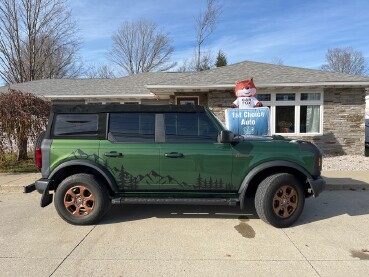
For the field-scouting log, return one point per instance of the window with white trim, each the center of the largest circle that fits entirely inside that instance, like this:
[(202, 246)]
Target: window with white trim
[(294, 113)]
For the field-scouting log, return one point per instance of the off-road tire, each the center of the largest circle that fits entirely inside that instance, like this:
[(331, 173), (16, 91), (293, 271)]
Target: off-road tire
[(268, 206), (69, 197)]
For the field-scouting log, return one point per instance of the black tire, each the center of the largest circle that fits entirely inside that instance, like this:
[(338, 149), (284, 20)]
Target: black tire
[(37, 144), (279, 200), (81, 200)]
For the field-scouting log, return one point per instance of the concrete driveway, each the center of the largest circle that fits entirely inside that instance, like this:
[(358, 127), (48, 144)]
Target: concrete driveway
[(330, 239)]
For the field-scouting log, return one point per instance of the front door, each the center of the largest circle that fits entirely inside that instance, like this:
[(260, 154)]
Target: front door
[(190, 158)]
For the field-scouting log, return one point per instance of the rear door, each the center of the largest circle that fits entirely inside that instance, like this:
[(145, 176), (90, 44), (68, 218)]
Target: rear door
[(130, 153), (190, 158)]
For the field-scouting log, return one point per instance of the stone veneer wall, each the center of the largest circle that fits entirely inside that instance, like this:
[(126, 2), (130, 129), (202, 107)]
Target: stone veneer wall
[(219, 101), (343, 126)]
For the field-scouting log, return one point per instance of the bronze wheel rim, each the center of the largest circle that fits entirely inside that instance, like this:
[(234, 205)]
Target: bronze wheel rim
[(79, 201), (285, 201)]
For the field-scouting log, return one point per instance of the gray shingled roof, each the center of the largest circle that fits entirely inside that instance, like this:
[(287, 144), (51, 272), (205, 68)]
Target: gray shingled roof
[(130, 85), (137, 84), (262, 73)]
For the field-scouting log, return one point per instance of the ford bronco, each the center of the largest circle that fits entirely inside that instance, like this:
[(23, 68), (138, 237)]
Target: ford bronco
[(94, 155)]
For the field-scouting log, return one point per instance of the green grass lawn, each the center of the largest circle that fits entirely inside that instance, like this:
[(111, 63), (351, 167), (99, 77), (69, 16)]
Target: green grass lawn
[(9, 163)]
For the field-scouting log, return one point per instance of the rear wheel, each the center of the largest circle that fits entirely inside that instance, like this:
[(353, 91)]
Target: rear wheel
[(81, 200), (280, 200)]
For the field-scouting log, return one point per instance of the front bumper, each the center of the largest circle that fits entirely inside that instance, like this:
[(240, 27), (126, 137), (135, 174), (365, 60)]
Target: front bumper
[(317, 185)]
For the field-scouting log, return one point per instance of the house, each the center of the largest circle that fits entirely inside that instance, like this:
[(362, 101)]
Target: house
[(367, 121), (323, 107)]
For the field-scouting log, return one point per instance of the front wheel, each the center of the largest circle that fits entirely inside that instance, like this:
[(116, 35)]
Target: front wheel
[(81, 200), (280, 200)]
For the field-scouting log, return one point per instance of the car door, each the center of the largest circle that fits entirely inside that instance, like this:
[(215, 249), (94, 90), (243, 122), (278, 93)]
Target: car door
[(190, 158), (130, 153)]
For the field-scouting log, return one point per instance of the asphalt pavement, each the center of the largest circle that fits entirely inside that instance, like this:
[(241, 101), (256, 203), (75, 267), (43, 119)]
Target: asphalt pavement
[(331, 238)]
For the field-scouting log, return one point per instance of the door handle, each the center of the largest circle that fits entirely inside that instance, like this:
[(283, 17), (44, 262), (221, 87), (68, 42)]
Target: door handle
[(113, 154), (174, 155)]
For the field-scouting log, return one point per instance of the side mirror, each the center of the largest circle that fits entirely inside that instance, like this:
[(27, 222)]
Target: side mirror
[(225, 137)]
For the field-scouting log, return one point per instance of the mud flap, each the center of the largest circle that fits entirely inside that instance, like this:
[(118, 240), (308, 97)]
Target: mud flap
[(46, 198), (242, 196)]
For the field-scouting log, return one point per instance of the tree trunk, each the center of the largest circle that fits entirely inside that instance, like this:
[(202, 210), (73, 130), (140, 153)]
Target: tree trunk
[(22, 149)]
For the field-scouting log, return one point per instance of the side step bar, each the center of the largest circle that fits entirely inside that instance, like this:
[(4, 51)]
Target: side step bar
[(178, 201)]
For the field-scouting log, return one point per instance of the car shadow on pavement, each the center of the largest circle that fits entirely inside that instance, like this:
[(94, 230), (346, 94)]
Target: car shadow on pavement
[(331, 204), (125, 213), (344, 182)]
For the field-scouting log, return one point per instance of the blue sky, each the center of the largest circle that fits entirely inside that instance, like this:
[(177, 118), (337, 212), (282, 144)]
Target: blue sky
[(298, 32)]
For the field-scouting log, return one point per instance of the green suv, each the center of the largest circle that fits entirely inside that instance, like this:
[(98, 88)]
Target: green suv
[(95, 155)]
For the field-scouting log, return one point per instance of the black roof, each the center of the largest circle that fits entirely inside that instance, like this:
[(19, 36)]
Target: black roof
[(128, 108)]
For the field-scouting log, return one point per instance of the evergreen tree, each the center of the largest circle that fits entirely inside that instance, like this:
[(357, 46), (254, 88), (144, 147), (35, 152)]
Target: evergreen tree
[(220, 184), (106, 163), (216, 184), (229, 186), (210, 183), (198, 182), (221, 59), (205, 184), (122, 177)]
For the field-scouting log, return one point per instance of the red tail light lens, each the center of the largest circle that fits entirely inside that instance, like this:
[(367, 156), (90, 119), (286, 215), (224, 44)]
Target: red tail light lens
[(38, 158)]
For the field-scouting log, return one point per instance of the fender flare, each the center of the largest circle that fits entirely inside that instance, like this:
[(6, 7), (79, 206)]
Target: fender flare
[(279, 163), (105, 173)]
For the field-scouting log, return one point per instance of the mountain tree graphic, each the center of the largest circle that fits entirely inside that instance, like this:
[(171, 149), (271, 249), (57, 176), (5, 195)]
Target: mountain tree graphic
[(199, 182), (122, 177), (128, 181)]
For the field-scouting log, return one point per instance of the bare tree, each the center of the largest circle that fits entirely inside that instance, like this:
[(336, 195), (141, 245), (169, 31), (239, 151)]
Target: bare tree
[(206, 63), (102, 71), (277, 61), (205, 26), (140, 46), (345, 60), (37, 40), (185, 66)]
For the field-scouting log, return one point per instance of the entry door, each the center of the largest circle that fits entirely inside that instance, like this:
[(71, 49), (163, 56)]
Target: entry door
[(131, 154), (190, 158)]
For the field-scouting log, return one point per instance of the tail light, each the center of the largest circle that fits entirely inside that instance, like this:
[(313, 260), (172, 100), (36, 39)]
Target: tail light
[(38, 158)]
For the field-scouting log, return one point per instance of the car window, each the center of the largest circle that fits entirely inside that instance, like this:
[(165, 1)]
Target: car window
[(189, 127), (132, 127), (78, 125)]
